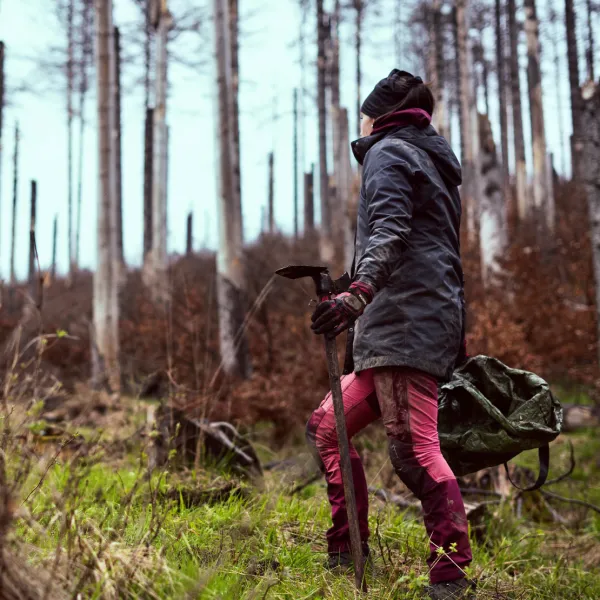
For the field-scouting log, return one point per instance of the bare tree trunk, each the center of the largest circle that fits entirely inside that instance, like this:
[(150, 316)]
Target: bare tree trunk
[(32, 277), (271, 195), (326, 243), (493, 229), (156, 275), (500, 63), (148, 168), (359, 7), (87, 52), (296, 165), (54, 242), (576, 102), (337, 199), (105, 338), (347, 215), (591, 179), (189, 240), (309, 202), (70, 91), (230, 270), (118, 157), (590, 57), (542, 197), (2, 52), (148, 138), (437, 68), (557, 31), (14, 206), (467, 122), (523, 207)]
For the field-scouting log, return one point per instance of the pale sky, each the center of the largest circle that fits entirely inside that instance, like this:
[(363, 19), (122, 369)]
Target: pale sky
[(269, 71)]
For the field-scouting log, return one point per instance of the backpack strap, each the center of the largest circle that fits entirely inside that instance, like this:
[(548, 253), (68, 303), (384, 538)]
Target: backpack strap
[(544, 458)]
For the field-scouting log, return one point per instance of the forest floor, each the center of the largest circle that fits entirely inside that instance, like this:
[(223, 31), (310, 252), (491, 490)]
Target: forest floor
[(88, 520)]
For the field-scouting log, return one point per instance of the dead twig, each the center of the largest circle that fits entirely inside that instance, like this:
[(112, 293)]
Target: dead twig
[(571, 500)]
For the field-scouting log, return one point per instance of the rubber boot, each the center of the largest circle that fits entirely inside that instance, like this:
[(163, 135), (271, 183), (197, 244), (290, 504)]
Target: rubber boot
[(459, 589)]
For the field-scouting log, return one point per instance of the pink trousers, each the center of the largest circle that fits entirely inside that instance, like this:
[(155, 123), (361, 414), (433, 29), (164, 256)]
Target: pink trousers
[(407, 402)]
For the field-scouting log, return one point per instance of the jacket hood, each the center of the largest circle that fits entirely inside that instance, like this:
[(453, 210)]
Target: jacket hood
[(435, 145)]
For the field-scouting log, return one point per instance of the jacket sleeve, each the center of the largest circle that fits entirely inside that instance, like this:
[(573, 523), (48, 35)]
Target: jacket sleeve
[(388, 190)]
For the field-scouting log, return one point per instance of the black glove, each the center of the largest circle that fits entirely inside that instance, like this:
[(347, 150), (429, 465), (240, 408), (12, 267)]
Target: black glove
[(333, 316)]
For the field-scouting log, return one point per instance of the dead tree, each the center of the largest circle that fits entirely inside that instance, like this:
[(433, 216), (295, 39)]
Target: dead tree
[(148, 138), (87, 52), (230, 270), (70, 114), (576, 101), (523, 207), (32, 214), (118, 152), (156, 269), (14, 205), (543, 198), (589, 51), (359, 7), (500, 64), (591, 177), (436, 54), (493, 228), (556, 59), (189, 247), (348, 195), (270, 201), (296, 165), (468, 120), (309, 202), (325, 245), (105, 334), (54, 242)]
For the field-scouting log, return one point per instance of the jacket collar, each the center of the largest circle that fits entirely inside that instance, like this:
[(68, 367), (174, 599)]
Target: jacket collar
[(385, 125)]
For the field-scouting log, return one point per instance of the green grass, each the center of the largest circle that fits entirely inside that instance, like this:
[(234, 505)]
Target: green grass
[(268, 544)]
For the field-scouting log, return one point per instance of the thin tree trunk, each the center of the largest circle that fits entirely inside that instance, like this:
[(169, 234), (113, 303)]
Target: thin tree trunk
[(296, 165), (32, 277), (576, 102), (105, 338), (359, 7), (189, 241), (148, 168), (347, 208), (118, 157), (14, 206), (590, 57), (557, 31), (54, 242), (493, 228), (542, 198), (235, 120), (326, 243), (148, 138), (87, 52), (230, 270), (437, 68), (523, 204), (500, 64), (309, 202), (70, 91), (157, 275), (271, 195), (466, 100), (591, 180), (336, 197)]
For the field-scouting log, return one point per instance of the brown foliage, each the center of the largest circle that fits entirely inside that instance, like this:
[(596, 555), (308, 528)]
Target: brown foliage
[(540, 317)]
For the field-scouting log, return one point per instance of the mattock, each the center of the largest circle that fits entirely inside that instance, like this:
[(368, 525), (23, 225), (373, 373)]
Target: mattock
[(326, 287)]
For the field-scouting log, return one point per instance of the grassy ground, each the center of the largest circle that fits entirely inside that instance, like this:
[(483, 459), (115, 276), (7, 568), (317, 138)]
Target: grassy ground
[(105, 528)]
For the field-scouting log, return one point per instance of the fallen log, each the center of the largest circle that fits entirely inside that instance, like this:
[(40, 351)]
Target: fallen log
[(578, 416)]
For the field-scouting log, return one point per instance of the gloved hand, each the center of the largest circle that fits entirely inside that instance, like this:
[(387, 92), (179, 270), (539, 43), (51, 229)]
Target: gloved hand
[(335, 315)]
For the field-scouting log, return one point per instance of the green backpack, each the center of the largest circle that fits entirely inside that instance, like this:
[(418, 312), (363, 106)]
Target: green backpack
[(489, 413)]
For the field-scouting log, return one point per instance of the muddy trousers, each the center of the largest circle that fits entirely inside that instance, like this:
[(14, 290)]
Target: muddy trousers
[(406, 400)]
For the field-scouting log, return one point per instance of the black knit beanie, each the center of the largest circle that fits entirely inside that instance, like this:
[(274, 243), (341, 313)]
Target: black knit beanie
[(389, 93)]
